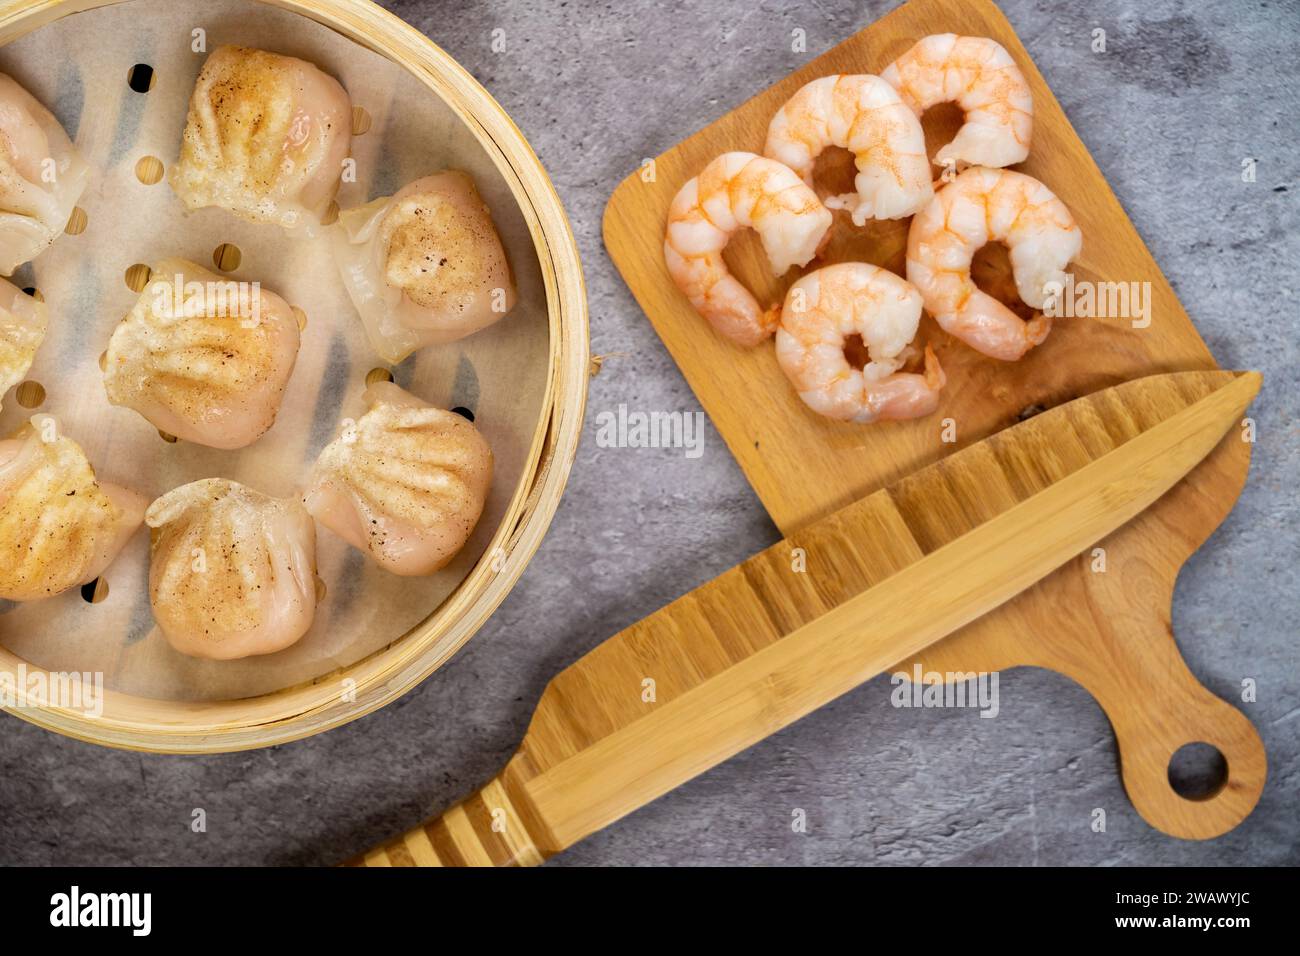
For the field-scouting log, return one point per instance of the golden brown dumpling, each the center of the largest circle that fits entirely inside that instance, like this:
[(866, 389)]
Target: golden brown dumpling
[(203, 358), (59, 526), (406, 484), (265, 139), (232, 571), (22, 329), (41, 176), (424, 266)]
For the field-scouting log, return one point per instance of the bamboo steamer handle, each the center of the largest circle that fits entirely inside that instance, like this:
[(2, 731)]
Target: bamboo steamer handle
[(493, 827)]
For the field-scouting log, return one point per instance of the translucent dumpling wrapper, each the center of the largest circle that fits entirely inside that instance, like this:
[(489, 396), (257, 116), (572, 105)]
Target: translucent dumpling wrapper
[(22, 329), (41, 176), (406, 483), (265, 139), (59, 526), (424, 266), (232, 571), (202, 357)]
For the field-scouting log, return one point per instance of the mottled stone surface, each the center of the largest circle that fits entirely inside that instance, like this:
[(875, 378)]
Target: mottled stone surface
[(1182, 95)]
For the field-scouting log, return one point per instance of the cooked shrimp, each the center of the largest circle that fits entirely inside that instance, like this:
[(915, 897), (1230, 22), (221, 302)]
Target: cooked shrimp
[(822, 310), (991, 205), (978, 75), (864, 115), (734, 191)]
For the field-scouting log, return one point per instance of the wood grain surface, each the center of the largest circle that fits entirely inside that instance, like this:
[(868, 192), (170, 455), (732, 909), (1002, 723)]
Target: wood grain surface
[(1110, 632), (832, 606)]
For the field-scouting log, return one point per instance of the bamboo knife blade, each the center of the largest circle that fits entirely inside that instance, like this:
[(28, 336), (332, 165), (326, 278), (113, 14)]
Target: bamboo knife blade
[(569, 780)]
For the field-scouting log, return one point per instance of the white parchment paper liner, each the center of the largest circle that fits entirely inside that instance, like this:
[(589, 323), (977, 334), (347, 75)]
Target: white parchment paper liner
[(78, 68)]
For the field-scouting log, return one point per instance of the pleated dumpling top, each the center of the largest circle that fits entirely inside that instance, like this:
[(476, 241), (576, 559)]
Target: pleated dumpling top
[(201, 357), (425, 266), (406, 483), (265, 139), (232, 571), (41, 176), (59, 526)]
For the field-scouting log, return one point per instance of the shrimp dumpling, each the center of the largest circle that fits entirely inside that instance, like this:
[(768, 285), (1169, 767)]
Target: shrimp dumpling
[(406, 484), (201, 357), (265, 139), (424, 266), (22, 329), (41, 176), (232, 571), (59, 525)]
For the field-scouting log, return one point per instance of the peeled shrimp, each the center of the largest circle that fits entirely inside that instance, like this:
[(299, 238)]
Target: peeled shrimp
[(734, 191), (864, 115), (822, 310), (978, 75), (991, 205)]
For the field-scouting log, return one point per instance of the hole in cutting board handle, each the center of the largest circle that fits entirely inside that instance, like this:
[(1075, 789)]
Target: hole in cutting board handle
[(1198, 771)]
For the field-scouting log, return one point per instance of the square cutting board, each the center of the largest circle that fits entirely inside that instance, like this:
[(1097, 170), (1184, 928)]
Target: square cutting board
[(1107, 629)]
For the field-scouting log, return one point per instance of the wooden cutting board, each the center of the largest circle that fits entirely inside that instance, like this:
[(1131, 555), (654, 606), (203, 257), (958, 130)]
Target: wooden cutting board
[(1109, 629)]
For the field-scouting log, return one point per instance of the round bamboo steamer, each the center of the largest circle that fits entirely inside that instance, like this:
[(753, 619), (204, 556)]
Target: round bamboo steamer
[(161, 726)]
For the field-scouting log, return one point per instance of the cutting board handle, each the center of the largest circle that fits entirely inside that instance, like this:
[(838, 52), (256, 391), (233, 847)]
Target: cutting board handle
[(1111, 632), (1158, 709), (493, 827)]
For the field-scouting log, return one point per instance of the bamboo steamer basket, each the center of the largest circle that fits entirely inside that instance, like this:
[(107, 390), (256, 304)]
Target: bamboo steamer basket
[(167, 726)]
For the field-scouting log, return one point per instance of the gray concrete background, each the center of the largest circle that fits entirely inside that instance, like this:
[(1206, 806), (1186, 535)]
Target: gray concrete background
[(1184, 93)]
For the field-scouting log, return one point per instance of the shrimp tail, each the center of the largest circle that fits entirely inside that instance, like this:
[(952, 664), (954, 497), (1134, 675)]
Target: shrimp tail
[(935, 380), (858, 208), (771, 319), (1036, 330)]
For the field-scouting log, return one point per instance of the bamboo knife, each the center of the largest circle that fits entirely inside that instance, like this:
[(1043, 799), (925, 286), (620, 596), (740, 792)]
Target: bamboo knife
[(821, 612)]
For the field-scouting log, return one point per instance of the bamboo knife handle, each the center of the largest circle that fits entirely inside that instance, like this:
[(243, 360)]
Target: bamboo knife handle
[(488, 828)]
